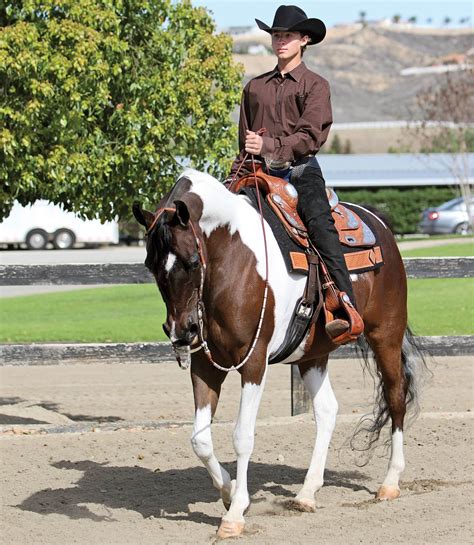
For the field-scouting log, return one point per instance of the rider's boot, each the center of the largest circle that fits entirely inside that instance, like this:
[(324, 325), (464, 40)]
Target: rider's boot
[(343, 322)]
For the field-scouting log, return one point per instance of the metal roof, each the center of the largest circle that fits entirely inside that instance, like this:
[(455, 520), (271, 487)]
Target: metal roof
[(391, 170)]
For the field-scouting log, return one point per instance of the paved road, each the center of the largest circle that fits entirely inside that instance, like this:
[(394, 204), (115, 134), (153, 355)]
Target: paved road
[(111, 254), (117, 254)]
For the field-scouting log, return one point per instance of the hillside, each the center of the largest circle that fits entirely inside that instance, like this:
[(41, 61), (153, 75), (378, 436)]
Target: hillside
[(363, 67)]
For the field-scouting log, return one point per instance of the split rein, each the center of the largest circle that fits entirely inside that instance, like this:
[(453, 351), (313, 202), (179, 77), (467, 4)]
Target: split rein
[(200, 303)]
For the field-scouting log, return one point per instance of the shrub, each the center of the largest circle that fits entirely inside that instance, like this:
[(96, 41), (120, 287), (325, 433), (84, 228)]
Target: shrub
[(403, 206)]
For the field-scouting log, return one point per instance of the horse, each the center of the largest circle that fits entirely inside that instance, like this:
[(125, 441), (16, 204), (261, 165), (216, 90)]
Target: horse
[(229, 298)]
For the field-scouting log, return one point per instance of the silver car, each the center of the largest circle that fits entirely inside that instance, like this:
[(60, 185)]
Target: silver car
[(449, 217)]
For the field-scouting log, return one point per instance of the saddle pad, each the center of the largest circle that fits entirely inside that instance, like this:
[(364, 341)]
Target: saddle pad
[(358, 259)]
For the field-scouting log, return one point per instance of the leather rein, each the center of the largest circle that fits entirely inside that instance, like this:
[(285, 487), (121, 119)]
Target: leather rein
[(200, 302)]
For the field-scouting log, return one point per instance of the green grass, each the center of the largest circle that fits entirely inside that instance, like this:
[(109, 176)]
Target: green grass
[(441, 306), (136, 313), (465, 249), (451, 236), (112, 314)]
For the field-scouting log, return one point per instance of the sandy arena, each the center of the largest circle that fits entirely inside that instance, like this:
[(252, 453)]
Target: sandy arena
[(100, 454)]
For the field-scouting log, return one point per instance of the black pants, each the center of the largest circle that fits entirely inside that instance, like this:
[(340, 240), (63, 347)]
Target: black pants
[(314, 209)]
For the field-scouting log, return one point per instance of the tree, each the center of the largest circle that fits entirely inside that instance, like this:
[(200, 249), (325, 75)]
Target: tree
[(101, 99), (347, 150), (447, 113), (446, 21), (396, 19), (413, 19), (336, 145), (363, 18)]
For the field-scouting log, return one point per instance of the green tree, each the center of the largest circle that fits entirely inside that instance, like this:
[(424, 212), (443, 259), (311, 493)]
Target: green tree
[(336, 145), (347, 147), (396, 19), (363, 17), (100, 98)]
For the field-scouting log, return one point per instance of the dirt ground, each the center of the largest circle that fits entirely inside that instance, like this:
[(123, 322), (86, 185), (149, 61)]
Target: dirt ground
[(100, 454)]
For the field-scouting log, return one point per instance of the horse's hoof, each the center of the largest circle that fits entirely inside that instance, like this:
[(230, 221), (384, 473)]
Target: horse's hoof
[(304, 505), (228, 529), (388, 493)]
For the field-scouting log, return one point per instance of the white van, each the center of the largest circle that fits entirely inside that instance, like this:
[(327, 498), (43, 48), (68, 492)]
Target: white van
[(42, 222)]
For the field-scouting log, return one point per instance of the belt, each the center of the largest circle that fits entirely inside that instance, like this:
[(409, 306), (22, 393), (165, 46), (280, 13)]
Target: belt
[(302, 160), (285, 165)]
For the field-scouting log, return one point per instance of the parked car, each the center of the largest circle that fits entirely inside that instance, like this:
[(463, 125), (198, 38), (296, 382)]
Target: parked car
[(449, 217), (41, 223)]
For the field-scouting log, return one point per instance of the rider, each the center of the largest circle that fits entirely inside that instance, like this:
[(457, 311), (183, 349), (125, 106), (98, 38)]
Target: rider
[(293, 104)]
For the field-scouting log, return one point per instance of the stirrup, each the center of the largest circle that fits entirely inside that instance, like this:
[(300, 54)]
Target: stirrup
[(342, 331)]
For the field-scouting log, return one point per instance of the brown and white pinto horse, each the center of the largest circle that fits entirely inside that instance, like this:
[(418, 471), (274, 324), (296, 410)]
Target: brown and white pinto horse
[(205, 248)]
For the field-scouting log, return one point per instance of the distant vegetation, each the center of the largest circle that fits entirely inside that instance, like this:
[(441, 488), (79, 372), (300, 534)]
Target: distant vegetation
[(402, 206)]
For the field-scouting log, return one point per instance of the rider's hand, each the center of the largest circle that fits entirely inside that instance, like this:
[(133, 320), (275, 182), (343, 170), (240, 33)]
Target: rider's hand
[(253, 143)]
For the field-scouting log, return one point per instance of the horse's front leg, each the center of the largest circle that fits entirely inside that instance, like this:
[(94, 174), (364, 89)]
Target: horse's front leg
[(207, 382), (253, 381)]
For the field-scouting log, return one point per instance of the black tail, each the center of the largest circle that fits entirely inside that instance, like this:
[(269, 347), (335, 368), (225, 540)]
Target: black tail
[(414, 365)]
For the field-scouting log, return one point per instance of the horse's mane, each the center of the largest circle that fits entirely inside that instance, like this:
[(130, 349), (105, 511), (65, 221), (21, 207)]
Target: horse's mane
[(158, 243)]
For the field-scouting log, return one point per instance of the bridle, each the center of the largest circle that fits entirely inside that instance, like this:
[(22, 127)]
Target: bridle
[(200, 302)]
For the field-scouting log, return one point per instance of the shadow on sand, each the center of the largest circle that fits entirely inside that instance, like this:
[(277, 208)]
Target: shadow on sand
[(166, 494)]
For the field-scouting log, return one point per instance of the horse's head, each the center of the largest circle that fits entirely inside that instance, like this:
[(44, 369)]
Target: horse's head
[(174, 258)]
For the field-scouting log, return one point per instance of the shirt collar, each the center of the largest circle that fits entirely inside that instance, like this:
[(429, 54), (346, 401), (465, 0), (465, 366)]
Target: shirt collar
[(295, 74)]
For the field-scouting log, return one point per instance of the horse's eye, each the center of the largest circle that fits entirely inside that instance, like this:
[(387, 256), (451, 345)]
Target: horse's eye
[(194, 262)]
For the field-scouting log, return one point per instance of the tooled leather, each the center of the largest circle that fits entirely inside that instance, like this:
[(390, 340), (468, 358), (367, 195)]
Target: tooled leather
[(352, 230)]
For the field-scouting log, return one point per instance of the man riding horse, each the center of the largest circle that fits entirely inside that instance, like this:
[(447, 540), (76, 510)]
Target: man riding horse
[(293, 105)]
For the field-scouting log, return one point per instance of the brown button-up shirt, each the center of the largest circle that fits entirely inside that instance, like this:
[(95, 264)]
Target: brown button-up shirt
[(295, 110)]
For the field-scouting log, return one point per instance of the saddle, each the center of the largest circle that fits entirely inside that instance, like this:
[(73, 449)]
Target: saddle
[(282, 198)]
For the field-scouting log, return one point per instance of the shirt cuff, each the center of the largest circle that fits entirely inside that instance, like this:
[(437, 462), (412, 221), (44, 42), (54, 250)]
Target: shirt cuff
[(268, 146)]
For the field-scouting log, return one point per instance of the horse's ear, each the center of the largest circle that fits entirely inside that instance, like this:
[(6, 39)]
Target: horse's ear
[(182, 213), (142, 216)]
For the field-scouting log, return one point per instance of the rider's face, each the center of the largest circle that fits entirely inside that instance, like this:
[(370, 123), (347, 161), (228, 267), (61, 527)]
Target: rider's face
[(287, 45)]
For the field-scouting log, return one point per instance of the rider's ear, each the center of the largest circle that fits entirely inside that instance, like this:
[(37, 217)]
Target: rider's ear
[(142, 216), (182, 213)]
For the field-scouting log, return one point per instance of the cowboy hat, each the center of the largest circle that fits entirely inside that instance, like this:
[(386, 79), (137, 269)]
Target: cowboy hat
[(294, 19)]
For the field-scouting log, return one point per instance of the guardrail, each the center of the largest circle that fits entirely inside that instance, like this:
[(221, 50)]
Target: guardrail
[(135, 273)]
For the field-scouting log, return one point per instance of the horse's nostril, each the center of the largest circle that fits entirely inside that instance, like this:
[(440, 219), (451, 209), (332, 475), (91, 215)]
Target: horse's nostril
[(193, 329)]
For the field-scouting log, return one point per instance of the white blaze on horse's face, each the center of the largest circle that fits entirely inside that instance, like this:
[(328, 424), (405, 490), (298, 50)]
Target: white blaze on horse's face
[(170, 262)]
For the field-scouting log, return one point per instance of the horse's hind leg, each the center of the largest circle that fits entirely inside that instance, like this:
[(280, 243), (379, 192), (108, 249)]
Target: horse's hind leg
[(387, 350), (316, 380), (207, 383)]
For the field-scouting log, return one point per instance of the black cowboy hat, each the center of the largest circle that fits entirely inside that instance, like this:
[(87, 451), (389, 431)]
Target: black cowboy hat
[(294, 19)]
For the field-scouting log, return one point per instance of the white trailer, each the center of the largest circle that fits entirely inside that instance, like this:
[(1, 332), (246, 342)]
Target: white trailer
[(42, 222)]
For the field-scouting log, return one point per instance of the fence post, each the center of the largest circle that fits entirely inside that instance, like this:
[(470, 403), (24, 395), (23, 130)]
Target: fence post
[(300, 401)]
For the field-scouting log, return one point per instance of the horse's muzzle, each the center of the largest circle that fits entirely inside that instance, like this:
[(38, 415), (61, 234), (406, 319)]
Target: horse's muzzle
[(180, 336)]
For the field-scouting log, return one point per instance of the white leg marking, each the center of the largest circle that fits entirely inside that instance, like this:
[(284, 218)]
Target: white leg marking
[(244, 433), (354, 277), (397, 460), (170, 262), (325, 410), (201, 441)]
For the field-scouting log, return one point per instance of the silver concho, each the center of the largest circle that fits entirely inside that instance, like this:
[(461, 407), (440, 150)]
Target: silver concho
[(291, 190)]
